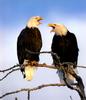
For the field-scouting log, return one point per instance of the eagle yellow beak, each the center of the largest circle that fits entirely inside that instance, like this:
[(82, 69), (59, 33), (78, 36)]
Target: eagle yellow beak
[(51, 25), (39, 19)]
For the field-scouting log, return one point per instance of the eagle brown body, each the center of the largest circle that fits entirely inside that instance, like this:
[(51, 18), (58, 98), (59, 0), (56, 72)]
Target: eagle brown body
[(29, 39)]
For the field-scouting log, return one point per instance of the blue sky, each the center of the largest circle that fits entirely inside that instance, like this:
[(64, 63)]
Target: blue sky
[(13, 18), (13, 11)]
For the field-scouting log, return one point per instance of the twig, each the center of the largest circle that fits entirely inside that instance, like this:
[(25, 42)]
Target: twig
[(81, 66), (32, 89), (13, 70), (28, 97), (9, 73), (71, 98), (16, 98), (10, 68)]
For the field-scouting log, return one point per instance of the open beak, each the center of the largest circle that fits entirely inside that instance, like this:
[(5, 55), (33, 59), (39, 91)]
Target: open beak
[(40, 20), (53, 26)]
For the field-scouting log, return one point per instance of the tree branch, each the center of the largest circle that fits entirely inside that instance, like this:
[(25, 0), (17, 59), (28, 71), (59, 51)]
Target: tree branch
[(32, 89), (12, 69), (9, 73), (79, 86), (39, 65)]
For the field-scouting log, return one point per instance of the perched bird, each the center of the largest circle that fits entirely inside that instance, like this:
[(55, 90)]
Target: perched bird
[(64, 44), (29, 39)]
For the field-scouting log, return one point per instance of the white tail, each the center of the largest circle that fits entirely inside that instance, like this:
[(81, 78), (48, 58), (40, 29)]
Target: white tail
[(29, 72), (69, 78)]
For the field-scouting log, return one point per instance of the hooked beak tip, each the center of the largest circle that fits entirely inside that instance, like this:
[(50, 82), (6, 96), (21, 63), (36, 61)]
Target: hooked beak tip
[(41, 18)]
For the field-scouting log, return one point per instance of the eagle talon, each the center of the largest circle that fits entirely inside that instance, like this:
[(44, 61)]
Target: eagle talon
[(34, 63)]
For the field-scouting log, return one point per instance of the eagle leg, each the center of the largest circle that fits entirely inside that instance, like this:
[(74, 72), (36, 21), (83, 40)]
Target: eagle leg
[(34, 63)]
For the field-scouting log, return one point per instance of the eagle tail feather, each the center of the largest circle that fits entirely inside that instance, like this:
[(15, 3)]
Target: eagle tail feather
[(29, 72)]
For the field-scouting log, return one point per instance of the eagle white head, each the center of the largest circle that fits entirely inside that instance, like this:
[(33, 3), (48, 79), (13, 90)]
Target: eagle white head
[(34, 21), (59, 29)]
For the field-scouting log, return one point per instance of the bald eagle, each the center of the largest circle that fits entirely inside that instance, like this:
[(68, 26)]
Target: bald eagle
[(29, 39), (64, 44)]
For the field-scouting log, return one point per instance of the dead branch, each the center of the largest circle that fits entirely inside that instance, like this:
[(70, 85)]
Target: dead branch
[(39, 65), (32, 89), (9, 73), (10, 68), (16, 98), (79, 87), (28, 96), (44, 52)]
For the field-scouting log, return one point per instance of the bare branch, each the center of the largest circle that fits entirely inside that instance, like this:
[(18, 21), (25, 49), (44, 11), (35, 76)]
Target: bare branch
[(71, 98), (81, 66), (13, 70), (28, 96), (10, 68), (32, 89), (16, 98), (79, 87), (9, 73), (43, 52), (38, 65)]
